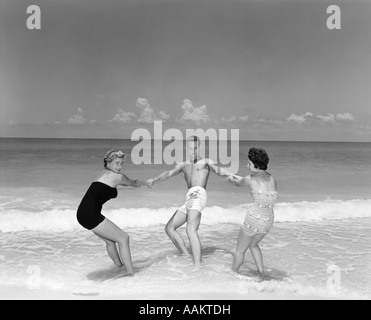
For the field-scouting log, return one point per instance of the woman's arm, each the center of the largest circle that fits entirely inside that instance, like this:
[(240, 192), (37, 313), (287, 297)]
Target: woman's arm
[(219, 171), (128, 182), (239, 181)]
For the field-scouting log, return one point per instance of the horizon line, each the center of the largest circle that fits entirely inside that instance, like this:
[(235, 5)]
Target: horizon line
[(241, 140)]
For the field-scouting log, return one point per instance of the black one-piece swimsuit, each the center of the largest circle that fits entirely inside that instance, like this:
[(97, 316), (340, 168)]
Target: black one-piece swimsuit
[(89, 212)]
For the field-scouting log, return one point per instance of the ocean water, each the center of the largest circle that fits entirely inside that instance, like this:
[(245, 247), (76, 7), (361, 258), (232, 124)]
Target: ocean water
[(320, 244)]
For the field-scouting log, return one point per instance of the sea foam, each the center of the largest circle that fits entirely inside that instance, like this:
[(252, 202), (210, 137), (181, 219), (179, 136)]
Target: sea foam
[(58, 220)]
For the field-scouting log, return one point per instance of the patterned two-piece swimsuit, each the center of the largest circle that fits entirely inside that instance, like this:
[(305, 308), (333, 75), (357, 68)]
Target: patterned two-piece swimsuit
[(260, 218)]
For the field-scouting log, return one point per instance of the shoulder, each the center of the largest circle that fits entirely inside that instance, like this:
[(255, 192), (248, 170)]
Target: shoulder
[(273, 181), (180, 166), (112, 179), (120, 177), (247, 181), (248, 178), (270, 177), (209, 162)]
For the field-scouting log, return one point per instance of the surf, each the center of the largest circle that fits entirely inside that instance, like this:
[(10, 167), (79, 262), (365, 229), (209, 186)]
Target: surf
[(60, 220)]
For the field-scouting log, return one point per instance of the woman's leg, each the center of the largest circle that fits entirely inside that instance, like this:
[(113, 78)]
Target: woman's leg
[(112, 250), (256, 252), (110, 231), (244, 240)]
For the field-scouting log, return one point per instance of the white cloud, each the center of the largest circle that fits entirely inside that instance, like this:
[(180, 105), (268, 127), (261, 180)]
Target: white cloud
[(123, 117), (148, 114), (234, 119), (78, 118), (345, 117), (329, 118), (269, 121), (191, 113), (163, 115), (230, 120), (300, 119)]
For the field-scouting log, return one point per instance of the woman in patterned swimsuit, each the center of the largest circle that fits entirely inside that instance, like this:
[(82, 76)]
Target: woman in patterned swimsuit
[(260, 217)]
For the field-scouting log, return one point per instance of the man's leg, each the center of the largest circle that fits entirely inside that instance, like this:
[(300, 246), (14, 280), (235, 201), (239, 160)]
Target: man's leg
[(193, 224), (178, 219)]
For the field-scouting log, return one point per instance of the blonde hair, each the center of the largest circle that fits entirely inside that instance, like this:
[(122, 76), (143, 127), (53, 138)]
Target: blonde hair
[(112, 155), (194, 139)]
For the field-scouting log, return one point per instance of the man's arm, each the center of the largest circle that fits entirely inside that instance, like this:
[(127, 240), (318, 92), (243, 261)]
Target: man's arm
[(169, 174), (219, 171)]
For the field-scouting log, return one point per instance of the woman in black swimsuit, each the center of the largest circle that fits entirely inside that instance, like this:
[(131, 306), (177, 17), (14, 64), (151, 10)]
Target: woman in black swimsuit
[(89, 212)]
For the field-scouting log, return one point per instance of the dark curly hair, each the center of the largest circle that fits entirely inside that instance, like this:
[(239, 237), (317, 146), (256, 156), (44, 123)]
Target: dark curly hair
[(259, 158)]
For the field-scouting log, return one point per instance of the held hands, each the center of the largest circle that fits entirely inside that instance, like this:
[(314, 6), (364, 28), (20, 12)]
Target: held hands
[(233, 179), (149, 183)]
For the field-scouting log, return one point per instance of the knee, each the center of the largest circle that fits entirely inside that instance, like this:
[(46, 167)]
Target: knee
[(191, 229), (125, 239), (169, 229), (240, 252), (110, 244)]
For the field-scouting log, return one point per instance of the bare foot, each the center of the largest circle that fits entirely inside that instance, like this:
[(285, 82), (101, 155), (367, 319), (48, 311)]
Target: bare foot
[(187, 255), (260, 277), (130, 274)]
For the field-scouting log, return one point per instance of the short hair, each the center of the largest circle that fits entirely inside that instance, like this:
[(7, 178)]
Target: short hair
[(194, 139), (259, 158), (112, 155)]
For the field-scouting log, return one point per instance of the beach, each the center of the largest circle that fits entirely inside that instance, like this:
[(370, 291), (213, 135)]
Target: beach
[(319, 247), (23, 293)]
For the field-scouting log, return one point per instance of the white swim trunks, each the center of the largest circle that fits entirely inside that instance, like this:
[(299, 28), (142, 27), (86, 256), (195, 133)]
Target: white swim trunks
[(196, 200)]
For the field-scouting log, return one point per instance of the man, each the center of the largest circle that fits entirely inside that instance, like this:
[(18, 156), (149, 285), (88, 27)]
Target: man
[(196, 173)]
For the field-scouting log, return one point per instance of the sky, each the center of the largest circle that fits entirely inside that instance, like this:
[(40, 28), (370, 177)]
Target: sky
[(270, 68)]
